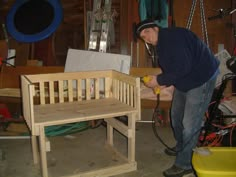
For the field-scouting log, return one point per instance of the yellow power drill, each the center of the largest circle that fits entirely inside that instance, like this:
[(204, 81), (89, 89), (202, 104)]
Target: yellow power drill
[(146, 79)]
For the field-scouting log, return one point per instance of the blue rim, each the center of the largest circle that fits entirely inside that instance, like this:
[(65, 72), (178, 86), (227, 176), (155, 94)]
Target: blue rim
[(11, 28)]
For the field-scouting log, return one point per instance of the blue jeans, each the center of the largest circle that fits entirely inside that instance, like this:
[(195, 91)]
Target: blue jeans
[(187, 115)]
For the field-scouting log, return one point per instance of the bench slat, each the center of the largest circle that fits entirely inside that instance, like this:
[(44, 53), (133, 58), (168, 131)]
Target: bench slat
[(69, 112)]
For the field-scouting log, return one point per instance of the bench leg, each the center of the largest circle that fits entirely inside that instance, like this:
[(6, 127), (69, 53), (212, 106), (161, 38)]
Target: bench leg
[(110, 140), (131, 137), (43, 155), (34, 145)]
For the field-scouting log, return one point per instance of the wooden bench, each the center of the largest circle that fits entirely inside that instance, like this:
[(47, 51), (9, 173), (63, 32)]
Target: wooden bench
[(9, 78), (82, 96), (10, 85)]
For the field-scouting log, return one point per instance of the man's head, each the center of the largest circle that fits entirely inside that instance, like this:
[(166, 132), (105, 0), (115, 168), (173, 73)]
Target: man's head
[(148, 31)]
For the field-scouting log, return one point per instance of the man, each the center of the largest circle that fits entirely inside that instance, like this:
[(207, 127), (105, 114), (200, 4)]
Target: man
[(189, 65)]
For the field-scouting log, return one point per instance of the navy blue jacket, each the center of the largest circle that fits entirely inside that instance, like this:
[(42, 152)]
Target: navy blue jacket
[(185, 60)]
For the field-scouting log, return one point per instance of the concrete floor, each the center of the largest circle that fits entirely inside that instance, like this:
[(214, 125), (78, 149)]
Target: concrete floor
[(84, 150)]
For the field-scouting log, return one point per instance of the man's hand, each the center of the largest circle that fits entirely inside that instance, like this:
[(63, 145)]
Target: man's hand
[(151, 82)]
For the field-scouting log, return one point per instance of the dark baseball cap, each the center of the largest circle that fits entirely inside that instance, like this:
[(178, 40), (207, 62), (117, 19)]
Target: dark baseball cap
[(143, 25)]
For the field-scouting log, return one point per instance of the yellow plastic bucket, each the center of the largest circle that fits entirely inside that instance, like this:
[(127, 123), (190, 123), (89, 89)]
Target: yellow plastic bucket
[(221, 162)]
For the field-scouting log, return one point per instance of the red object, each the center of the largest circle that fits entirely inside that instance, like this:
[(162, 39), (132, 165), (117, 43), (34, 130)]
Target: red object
[(1, 60), (4, 111)]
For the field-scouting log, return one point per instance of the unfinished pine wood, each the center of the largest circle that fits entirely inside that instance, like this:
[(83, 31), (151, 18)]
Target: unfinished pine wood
[(10, 92), (83, 96)]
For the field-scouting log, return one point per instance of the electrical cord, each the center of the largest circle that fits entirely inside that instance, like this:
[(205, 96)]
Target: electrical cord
[(157, 120), (213, 139)]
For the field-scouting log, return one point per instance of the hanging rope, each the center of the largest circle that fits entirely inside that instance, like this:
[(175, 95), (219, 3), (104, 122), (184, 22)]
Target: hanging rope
[(203, 23), (190, 18), (203, 20)]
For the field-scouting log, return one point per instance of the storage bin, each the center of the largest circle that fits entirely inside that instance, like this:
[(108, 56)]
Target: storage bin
[(221, 162)]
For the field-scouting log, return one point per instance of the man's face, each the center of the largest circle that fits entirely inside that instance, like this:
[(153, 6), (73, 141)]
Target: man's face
[(149, 35)]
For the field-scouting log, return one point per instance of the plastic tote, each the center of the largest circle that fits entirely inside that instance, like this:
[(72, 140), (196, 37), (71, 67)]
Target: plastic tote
[(220, 162)]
